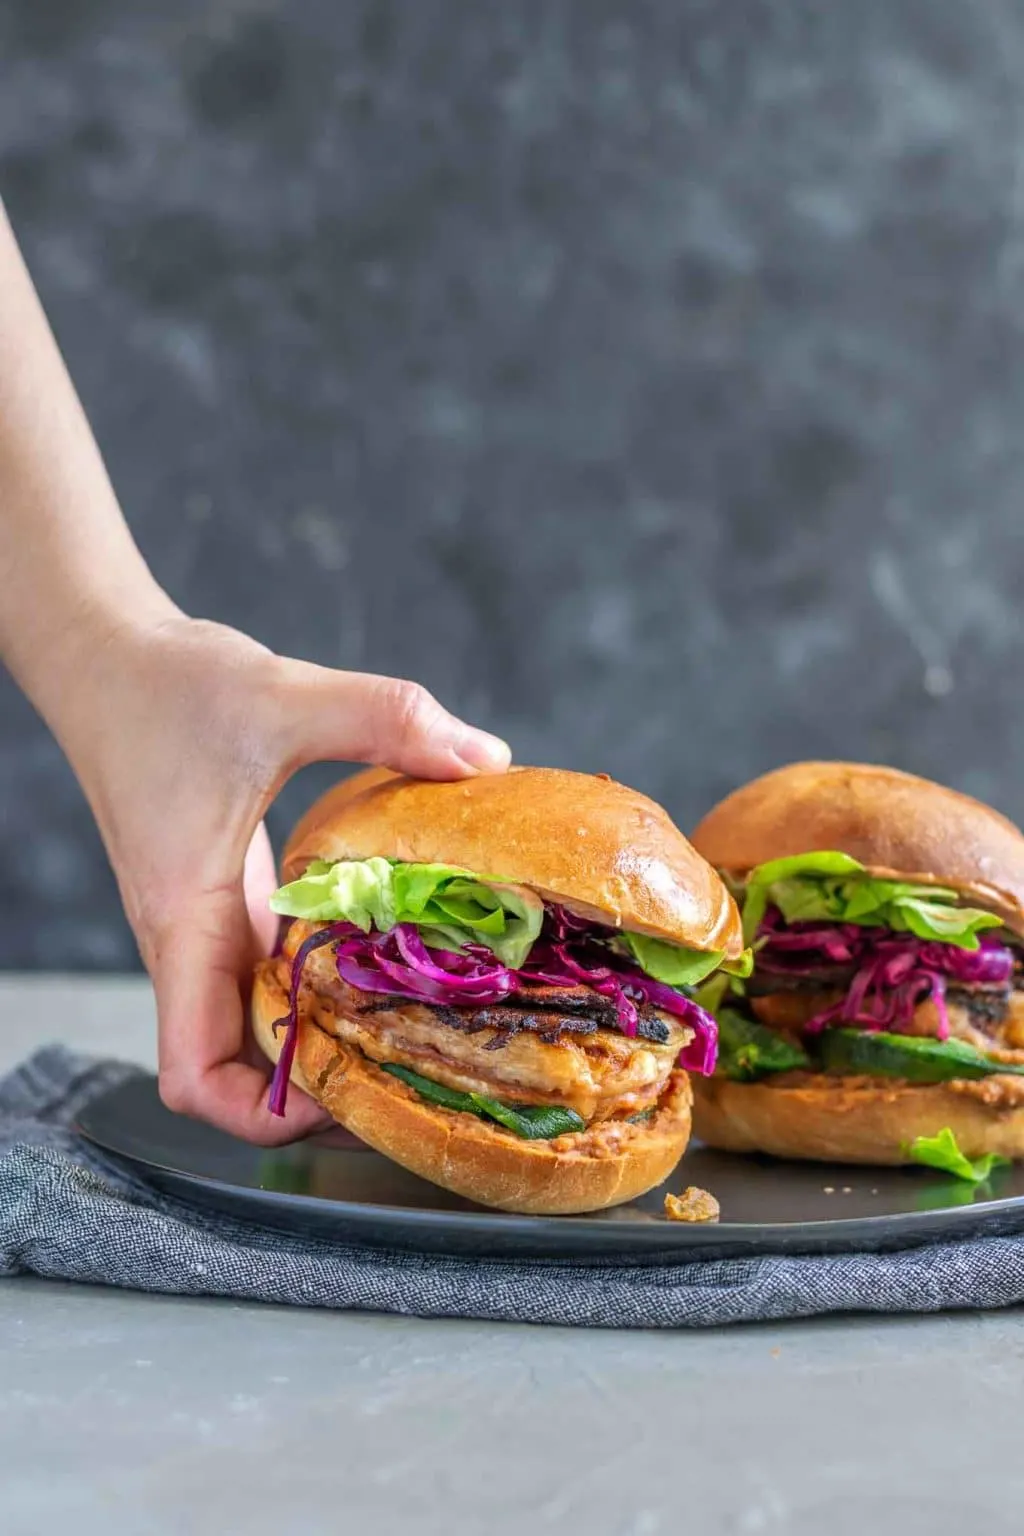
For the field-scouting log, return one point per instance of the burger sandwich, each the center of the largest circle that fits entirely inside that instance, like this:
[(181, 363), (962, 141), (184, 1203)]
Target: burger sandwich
[(488, 981), (883, 1021)]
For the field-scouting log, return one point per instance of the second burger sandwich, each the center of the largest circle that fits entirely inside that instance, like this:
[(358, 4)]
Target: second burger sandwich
[(884, 1019), (483, 980)]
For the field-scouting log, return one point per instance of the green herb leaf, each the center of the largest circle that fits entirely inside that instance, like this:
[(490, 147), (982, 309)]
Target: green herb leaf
[(533, 1122), (942, 1152)]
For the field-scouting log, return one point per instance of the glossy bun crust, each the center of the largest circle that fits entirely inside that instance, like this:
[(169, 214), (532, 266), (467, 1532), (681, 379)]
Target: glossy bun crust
[(894, 823), (568, 1175), (578, 839)]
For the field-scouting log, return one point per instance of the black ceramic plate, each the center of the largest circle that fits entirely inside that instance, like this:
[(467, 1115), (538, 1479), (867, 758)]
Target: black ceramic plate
[(334, 1187)]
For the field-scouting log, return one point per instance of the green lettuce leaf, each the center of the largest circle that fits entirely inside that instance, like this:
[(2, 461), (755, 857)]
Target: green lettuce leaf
[(930, 919), (942, 1152), (832, 887), (677, 966), (450, 906), (533, 1122), (358, 891), (823, 862)]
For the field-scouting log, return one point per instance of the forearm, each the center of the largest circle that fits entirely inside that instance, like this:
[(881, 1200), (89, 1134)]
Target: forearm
[(71, 576)]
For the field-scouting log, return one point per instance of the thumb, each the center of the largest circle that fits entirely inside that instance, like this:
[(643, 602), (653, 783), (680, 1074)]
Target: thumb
[(259, 882), (356, 717)]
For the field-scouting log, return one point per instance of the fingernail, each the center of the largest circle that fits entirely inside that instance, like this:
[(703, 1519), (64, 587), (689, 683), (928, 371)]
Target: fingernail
[(487, 754)]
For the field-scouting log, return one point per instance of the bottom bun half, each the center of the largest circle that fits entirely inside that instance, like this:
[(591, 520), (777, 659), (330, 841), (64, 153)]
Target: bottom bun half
[(568, 1175), (850, 1120)]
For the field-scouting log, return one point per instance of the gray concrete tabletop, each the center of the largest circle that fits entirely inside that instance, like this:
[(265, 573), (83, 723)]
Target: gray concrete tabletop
[(137, 1415)]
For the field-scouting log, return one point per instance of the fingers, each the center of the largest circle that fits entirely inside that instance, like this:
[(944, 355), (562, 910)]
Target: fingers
[(201, 946), (202, 1026), (355, 717)]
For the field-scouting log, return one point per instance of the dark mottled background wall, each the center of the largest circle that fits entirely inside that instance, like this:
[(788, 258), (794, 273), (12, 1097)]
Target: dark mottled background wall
[(648, 379)]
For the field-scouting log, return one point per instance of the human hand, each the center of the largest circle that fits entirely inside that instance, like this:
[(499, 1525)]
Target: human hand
[(182, 733)]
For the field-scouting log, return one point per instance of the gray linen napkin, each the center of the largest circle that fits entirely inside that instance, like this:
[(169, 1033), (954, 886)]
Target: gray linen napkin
[(68, 1214)]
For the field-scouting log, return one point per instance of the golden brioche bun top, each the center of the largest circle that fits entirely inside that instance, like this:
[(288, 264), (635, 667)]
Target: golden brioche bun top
[(579, 839), (892, 822)]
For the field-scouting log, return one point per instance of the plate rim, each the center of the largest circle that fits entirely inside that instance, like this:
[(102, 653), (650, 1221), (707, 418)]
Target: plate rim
[(662, 1236)]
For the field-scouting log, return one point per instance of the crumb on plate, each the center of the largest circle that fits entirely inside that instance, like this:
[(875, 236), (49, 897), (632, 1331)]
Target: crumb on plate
[(692, 1205)]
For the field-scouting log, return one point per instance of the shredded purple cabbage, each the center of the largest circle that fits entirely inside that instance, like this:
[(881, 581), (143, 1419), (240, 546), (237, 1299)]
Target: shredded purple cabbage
[(278, 1096), (570, 952), (582, 959), (560, 923), (398, 962), (894, 972)]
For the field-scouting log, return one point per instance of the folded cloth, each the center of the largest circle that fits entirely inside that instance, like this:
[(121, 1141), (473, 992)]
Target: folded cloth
[(68, 1213)]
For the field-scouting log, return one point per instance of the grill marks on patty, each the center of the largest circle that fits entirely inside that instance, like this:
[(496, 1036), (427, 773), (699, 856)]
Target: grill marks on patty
[(549, 1013), (552, 1026), (576, 1012), (987, 1009)]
